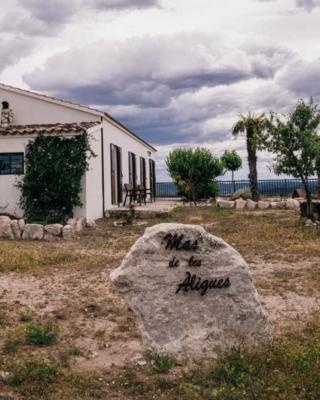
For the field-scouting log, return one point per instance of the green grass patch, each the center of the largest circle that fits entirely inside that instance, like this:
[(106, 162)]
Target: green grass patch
[(41, 335)]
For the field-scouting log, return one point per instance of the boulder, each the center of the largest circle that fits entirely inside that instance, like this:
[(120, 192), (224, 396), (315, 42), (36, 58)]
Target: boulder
[(91, 224), (293, 204), (21, 224), (53, 229), (16, 229), (240, 204), (48, 237), (275, 205), (33, 232), (225, 204), (72, 222), (263, 205), (5, 228), (80, 224), (251, 205), (67, 232), (192, 293)]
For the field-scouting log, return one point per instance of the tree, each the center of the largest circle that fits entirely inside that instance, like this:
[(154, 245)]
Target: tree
[(194, 173), (252, 125), (295, 142), (51, 186), (318, 177), (231, 162)]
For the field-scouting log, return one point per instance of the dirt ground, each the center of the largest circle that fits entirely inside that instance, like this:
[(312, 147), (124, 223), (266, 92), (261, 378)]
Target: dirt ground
[(77, 294)]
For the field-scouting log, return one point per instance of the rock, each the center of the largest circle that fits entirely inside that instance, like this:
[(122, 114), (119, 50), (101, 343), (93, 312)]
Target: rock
[(308, 222), (53, 229), (33, 232), (276, 205), (51, 238), (91, 224), (67, 232), (293, 204), (80, 224), (240, 204), (192, 293), (225, 204), (5, 228), (251, 205), (263, 205), (16, 228), (21, 224)]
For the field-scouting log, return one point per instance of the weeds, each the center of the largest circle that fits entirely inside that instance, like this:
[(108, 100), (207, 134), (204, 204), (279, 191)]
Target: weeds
[(162, 364), (34, 375), (41, 335)]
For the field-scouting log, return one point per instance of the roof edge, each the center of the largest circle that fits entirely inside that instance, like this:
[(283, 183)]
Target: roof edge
[(78, 107)]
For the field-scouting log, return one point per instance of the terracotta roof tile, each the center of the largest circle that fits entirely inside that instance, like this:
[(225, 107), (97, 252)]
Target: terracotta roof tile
[(76, 127)]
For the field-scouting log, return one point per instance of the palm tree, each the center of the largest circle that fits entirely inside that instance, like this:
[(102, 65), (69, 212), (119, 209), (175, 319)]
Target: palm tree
[(252, 125)]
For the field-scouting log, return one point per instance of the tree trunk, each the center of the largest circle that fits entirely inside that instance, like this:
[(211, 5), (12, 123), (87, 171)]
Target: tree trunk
[(309, 199), (318, 176), (253, 175), (233, 182)]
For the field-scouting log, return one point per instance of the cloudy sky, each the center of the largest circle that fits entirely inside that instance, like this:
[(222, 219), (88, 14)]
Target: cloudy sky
[(177, 72)]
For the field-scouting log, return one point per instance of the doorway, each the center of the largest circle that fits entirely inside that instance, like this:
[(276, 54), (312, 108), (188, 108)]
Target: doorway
[(152, 175), (116, 174), (132, 170)]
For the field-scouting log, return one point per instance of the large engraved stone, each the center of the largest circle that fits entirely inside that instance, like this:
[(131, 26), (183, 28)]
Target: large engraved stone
[(192, 293)]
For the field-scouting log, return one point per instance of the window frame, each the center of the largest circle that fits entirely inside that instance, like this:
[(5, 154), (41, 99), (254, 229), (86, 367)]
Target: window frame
[(11, 161)]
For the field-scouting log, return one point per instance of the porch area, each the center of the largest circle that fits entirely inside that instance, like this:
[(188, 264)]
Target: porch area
[(158, 208)]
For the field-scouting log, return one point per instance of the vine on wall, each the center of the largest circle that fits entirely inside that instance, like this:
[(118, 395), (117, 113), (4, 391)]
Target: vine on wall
[(51, 186)]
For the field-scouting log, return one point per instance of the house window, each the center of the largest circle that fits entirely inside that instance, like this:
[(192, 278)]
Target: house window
[(11, 163)]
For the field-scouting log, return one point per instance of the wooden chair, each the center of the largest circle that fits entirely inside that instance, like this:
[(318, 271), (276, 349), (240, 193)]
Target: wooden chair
[(129, 193), (142, 194)]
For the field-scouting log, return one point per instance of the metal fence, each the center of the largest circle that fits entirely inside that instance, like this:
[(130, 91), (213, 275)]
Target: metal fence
[(267, 187)]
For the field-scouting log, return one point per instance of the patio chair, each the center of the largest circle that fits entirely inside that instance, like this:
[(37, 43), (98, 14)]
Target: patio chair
[(129, 193)]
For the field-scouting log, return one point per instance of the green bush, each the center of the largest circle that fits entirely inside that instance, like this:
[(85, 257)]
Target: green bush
[(244, 194), (194, 173), (41, 335), (51, 186), (162, 364)]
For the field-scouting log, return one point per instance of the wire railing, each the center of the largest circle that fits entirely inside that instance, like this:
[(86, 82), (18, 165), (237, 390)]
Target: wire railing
[(267, 187)]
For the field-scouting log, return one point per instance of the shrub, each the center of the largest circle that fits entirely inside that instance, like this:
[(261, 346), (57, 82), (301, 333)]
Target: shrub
[(51, 186), (194, 173), (41, 335), (162, 364)]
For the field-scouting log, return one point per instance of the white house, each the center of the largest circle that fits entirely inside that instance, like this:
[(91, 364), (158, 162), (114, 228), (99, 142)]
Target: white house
[(122, 157)]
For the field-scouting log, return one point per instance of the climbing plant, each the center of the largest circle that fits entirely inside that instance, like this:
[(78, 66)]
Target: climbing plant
[(51, 186)]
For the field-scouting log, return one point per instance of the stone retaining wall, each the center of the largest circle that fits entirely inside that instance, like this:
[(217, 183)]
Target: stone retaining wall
[(240, 204), (17, 229)]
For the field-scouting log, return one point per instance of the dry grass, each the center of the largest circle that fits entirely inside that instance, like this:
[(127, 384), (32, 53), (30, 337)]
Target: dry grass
[(91, 315)]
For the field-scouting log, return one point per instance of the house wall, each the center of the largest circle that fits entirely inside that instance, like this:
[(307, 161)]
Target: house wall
[(9, 193), (30, 110), (114, 135), (92, 181)]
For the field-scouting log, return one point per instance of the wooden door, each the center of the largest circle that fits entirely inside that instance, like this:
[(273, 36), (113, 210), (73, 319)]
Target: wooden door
[(143, 172), (132, 170), (116, 174), (152, 175)]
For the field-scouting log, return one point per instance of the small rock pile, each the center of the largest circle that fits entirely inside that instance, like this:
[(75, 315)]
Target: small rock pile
[(17, 229), (240, 204)]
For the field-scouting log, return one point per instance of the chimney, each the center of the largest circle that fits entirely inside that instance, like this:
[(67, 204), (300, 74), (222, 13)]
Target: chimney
[(6, 115)]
